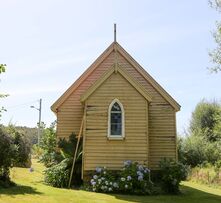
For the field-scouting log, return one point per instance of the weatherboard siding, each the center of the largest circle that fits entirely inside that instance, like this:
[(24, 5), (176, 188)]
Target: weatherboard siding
[(162, 129), (70, 113), (99, 151)]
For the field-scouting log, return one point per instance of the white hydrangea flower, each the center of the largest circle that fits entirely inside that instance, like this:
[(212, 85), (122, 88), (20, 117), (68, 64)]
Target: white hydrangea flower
[(122, 179), (115, 185)]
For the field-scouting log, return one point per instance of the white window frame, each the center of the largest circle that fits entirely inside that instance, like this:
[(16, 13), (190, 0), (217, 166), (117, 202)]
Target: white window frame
[(116, 137)]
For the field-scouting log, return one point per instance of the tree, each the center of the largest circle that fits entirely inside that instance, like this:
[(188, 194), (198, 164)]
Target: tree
[(8, 151), (2, 70), (23, 155), (195, 150), (206, 120), (215, 54)]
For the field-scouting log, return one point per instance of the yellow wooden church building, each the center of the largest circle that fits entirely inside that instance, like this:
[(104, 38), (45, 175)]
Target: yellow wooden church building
[(121, 112)]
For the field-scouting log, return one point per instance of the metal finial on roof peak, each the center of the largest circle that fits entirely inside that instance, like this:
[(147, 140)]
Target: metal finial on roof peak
[(115, 32)]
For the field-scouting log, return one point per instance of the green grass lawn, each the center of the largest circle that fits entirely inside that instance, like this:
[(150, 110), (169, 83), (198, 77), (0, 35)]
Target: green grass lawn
[(30, 188)]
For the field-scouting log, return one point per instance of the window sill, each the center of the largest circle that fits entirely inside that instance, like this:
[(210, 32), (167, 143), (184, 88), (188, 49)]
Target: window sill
[(115, 138)]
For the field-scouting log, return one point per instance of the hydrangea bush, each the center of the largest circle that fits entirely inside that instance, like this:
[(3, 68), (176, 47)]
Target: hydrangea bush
[(133, 178), (103, 181)]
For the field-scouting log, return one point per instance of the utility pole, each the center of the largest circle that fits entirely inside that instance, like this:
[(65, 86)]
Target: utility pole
[(39, 119)]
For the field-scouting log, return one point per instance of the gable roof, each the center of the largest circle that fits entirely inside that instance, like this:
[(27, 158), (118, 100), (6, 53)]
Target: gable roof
[(98, 61), (116, 69)]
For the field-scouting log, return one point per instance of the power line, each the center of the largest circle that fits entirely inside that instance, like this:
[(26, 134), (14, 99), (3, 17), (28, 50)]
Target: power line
[(21, 105)]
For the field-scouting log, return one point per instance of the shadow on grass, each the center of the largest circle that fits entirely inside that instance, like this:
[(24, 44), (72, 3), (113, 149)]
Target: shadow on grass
[(19, 190), (188, 195)]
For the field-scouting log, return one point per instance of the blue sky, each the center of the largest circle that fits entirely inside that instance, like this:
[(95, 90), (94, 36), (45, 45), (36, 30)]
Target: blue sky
[(48, 44)]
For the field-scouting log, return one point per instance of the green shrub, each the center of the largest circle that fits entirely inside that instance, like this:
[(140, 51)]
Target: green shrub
[(172, 173), (103, 181), (195, 150), (23, 155), (62, 159), (67, 148), (135, 178), (36, 151), (8, 151), (48, 144), (58, 175), (132, 179), (23, 158)]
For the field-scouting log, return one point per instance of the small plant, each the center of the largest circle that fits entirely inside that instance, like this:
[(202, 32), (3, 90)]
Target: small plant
[(172, 173)]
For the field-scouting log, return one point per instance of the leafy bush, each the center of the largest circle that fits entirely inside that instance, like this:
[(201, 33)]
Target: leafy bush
[(133, 179), (23, 155), (172, 173), (8, 152), (58, 175), (61, 159), (36, 151), (50, 155), (103, 181), (67, 149), (195, 150), (23, 158)]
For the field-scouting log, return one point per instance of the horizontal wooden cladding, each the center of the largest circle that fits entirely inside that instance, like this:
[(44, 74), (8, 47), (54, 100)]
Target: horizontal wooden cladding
[(161, 116), (72, 106), (135, 132), (127, 140), (115, 152), (113, 144), (112, 164), (98, 149), (92, 157), (107, 165), (163, 144)]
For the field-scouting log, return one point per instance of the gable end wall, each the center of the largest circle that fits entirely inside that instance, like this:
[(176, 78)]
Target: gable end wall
[(162, 126)]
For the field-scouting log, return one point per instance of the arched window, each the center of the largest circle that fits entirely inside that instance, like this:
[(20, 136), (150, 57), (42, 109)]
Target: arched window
[(116, 120)]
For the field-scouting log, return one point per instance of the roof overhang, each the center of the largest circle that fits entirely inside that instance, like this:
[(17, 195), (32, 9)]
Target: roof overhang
[(115, 47)]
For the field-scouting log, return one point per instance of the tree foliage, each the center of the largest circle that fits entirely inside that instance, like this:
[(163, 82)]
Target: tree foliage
[(8, 151), (29, 133), (2, 70), (215, 54), (48, 144), (202, 143), (206, 120), (196, 150), (23, 155)]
